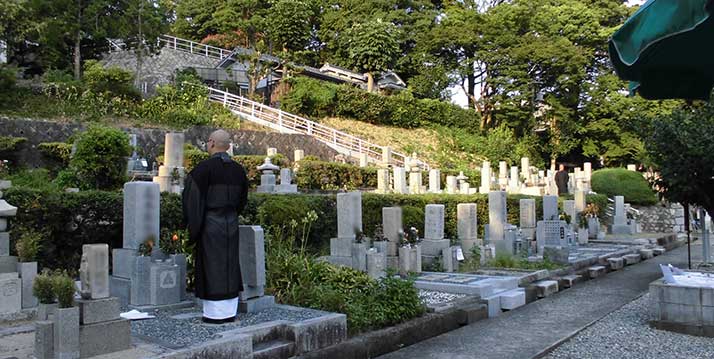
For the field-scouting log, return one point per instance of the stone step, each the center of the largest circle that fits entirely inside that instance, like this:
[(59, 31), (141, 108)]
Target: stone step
[(596, 271), (569, 280), (658, 251), (616, 263), (646, 254), (546, 288), (274, 349), (513, 299), (631, 259)]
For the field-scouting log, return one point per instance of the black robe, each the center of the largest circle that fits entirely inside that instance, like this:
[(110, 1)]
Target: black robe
[(215, 193), (561, 180)]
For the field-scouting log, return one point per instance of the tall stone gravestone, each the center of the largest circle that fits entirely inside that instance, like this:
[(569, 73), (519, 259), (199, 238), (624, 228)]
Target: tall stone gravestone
[(528, 218), (349, 224), (451, 185), (391, 227), (101, 330), (569, 209), (485, 177), (434, 242), (434, 181), (467, 226), (525, 167), (502, 174), (620, 225), (298, 155), (400, 181), (383, 180), (252, 267), (141, 280), (514, 181), (550, 208), (497, 222), (172, 173)]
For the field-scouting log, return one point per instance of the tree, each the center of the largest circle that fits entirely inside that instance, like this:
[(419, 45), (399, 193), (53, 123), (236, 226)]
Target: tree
[(372, 46), (289, 28), (682, 151)]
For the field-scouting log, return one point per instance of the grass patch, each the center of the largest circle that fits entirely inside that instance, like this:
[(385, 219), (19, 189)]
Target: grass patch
[(621, 182)]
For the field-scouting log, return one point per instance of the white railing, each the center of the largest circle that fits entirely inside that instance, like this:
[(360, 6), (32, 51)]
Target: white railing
[(179, 44), (288, 123)]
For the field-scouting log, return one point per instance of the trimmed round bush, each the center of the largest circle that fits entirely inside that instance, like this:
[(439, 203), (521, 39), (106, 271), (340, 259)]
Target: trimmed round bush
[(621, 182)]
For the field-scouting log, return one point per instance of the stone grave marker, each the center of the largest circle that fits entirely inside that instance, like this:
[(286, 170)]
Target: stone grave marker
[(451, 185), (485, 177), (467, 226), (434, 181), (496, 216), (392, 226), (528, 217), (400, 180), (267, 179), (285, 185), (620, 225), (550, 208), (252, 265)]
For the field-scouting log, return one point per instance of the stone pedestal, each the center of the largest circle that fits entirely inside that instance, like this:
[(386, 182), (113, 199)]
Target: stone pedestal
[(285, 185), (66, 333), (267, 179), (10, 293), (27, 272)]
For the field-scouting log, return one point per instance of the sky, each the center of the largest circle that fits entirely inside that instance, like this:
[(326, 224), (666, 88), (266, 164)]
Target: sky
[(459, 97)]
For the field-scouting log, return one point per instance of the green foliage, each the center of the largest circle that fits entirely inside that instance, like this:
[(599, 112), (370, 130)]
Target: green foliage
[(7, 78), (288, 24), (100, 159), (38, 178), (112, 81), (28, 245), (42, 288), (372, 45), (56, 153), (64, 288), (511, 262), (621, 182), (10, 144), (318, 99), (682, 152), (321, 175)]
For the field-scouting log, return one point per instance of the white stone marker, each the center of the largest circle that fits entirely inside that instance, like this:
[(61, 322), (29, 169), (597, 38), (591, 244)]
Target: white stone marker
[(514, 183), (580, 200), (525, 167), (502, 174), (620, 217), (415, 182), (400, 181), (467, 226), (272, 151), (363, 160), (386, 156), (383, 180), (451, 186), (298, 155), (550, 208), (632, 168), (485, 177), (496, 215), (434, 181)]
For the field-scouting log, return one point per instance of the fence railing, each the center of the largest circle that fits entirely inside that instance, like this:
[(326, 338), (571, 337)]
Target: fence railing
[(288, 123), (193, 47)]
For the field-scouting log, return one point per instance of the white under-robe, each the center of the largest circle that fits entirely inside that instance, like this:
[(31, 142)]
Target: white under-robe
[(220, 309)]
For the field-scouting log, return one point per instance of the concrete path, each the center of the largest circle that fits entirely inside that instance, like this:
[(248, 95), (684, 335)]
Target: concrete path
[(528, 331)]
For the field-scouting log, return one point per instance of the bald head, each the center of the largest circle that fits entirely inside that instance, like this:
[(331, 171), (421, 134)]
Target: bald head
[(218, 141)]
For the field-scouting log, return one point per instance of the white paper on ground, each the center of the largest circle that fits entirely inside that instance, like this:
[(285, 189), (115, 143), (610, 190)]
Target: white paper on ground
[(135, 315), (667, 273)]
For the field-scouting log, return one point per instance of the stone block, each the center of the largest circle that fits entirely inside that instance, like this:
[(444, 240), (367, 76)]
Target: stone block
[(616, 263), (494, 305), (646, 254), (180, 261), (141, 213), (546, 288), (376, 263), (3, 224), (596, 271), (556, 254), (393, 262), (658, 251), (631, 259), (4, 244), (46, 311), (349, 214), (164, 284), (621, 229), (252, 255), (359, 256), (123, 262), (707, 296), (27, 272), (381, 247), (140, 293), (513, 299), (44, 342), (98, 310), (5, 184), (569, 281), (681, 295), (313, 334), (254, 305), (550, 208), (104, 337), (341, 247), (7, 210), (66, 333), (340, 261), (431, 247), (680, 313), (472, 313), (391, 226), (467, 222), (10, 294), (252, 292), (434, 222), (121, 289), (8, 264), (94, 271)]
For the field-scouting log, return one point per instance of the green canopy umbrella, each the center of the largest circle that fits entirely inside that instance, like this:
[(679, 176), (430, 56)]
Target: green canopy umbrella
[(666, 49)]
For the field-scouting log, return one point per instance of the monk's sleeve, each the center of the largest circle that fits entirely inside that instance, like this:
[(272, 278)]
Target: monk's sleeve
[(243, 191), (193, 208)]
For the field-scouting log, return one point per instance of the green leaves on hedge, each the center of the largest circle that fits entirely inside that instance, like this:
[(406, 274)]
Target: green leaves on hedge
[(621, 182)]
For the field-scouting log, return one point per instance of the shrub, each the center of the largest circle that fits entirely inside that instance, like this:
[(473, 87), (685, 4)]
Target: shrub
[(100, 159), (320, 175), (621, 182), (57, 152), (64, 288), (7, 78), (112, 81), (8, 145), (28, 245), (42, 287), (319, 99)]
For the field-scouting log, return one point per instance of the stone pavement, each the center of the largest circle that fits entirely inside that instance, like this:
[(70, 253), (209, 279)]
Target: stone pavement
[(530, 330)]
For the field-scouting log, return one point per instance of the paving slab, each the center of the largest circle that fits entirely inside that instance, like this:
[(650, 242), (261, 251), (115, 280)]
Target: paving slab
[(530, 330)]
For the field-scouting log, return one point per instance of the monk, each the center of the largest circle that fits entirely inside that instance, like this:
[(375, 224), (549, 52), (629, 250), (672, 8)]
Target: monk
[(561, 180), (215, 193)]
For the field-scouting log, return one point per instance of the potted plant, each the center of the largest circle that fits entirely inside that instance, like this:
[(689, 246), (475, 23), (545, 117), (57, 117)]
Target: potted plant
[(43, 290), (380, 242), (66, 318), (27, 246), (593, 222)]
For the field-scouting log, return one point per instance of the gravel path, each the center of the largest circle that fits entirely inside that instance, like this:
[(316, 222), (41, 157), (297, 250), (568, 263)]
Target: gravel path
[(182, 328), (625, 334), (430, 297)]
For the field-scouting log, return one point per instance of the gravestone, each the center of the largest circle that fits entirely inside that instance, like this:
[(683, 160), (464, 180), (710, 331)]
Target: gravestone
[(376, 263), (551, 233), (580, 200), (485, 177), (94, 271), (363, 160), (550, 208), (172, 172), (344, 249), (632, 168), (502, 174), (415, 181), (10, 293), (434, 241), (15, 286), (391, 227), (514, 182), (142, 281), (620, 225), (569, 209), (434, 181), (285, 185), (267, 179), (451, 185), (467, 226), (525, 167), (587, 176), (400, 180), (272, 152), (496, 216), (383, 180), (252, 266), (528, 217), (298, 155), (386, 156)]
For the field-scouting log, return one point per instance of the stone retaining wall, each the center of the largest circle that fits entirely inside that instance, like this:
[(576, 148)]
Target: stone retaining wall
[(151, 141), (662, 218)]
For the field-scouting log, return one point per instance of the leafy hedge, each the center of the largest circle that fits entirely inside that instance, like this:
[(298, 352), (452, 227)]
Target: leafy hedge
[(72, 219), (321, 175), (319, 99), (621, 182)]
